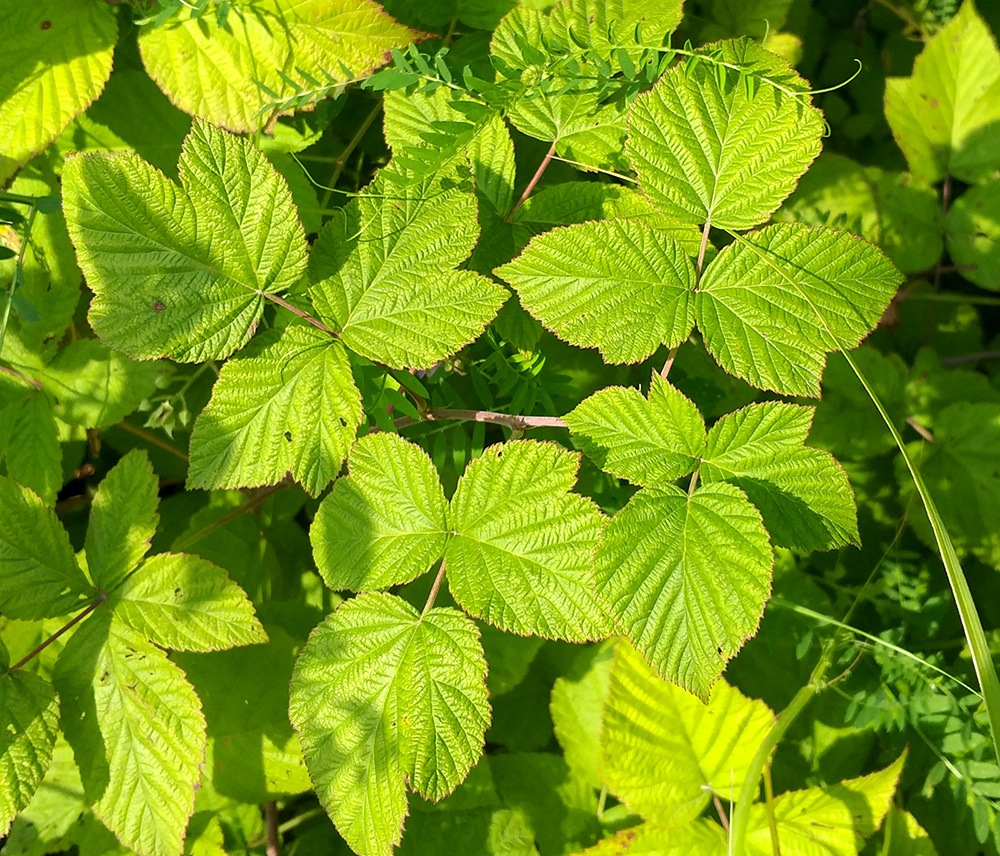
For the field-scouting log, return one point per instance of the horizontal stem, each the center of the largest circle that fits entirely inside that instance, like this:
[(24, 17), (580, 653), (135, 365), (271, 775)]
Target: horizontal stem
[(152, 439), (509, 420), (970, 358), (37, 384), (255, 500)]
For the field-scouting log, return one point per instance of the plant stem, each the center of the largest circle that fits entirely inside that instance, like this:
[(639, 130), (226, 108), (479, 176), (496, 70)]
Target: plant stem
[(305, 316), (771, 821), (534, 180), (273, 837), (435, 586), (255, 500), (152, 439), (704, 245), (16, 374), (71, 623), (670, 362), (512, 421), (341, 161), (970, 358)]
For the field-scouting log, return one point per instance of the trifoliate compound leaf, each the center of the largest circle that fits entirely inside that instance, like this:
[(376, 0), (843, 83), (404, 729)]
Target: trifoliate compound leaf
[(56, 59), (382, 696), (230, 74), (664, 752), (123, 520), (94, 387), (616, 285), (386, 522), (183, 271), (832, 820), (647, 441), (945, 116), (286, 404), (383, 270), (802, 493), (578, 201), (710, 143), (774, 302), (899, 213), (137, 730), (39, 576), (29, 717), (576, 708), (187, 604), (701, 838), (972, 227), (686, 577), (522, 543)]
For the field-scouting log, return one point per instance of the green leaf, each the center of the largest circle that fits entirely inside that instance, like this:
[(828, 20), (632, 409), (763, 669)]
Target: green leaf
[(39, 576), (592, 22), (29, 717), (832, 820), (287, 404), (802, 493), (123, 520), (708, 151), (578, 201), (616, 285), (972, 228), (383, 270), (664, 752), (187, 604), (520, 553), (576, 708), (183, 271), (961, 468), (221, 73), (945, 116), (774, 302), (56, 59), (137, 730), (380, 696), (701, 838), (94, 387), (648, 442), (905, 836), (899, 213), (33, 454), (383, 524), (686, 577)]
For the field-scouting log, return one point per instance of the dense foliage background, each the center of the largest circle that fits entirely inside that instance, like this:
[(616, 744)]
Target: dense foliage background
[(237, 236)]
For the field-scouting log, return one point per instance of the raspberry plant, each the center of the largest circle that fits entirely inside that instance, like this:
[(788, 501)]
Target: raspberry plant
[(532, 369)]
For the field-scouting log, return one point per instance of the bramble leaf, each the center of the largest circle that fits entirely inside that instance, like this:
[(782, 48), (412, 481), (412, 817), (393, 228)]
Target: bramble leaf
[(705, 149), (701, 838), (56, 59), (647, 441), (946, 116), (185, 603), (39, 576), (521, 548), (616, 285), (774, 302), (664, 752), (802, 493), (972, 228), (29, 717), (31, 451), (380, 696), (137, 731), (383, 270), (228, 73), (123, 520), (183, 271), (686, 578), (383, 524), (834, 819), (286, 404)]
